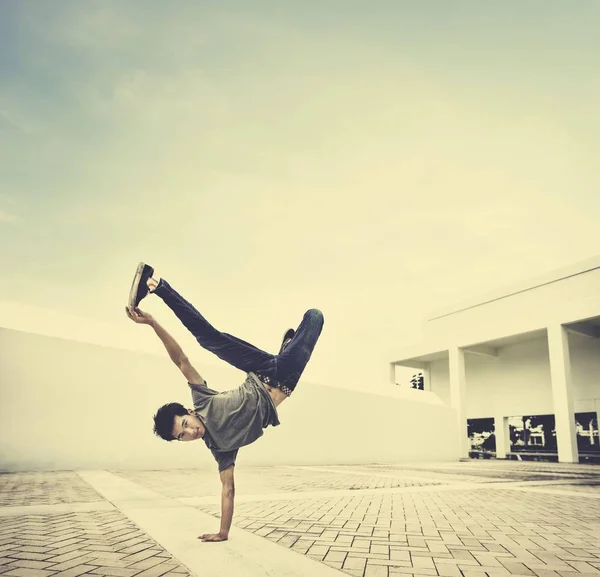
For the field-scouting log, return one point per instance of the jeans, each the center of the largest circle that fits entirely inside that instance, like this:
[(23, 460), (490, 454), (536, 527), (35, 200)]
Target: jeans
[(283, 370)]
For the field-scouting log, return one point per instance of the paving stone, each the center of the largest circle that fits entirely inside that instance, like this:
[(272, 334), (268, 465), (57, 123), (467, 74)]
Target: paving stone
[(28, 572), (396, 555), (147, 563), (545, 572), (423, 563), (155, 571), (65, 557), (76, 571), (376, 571), (576, 574), (391, 563), (21, 554), (115, 571), (81, 560), (368, 555), (582, 567), (516, 568), (335, 556), (412, 571), (30, 564), (62, 550), (318, 550), (447, 570)]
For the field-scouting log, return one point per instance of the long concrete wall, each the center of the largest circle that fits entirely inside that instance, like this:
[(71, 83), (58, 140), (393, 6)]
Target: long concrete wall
[(517, 382), (65, 405)]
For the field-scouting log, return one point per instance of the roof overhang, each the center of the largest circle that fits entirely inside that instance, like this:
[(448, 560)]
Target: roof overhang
[(586, 328), (419, 355)]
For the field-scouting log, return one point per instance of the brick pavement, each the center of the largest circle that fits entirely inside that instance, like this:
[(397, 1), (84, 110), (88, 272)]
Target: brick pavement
[(475, 519), (103, 543), (253, 480), (587, 486), (482, 531), (18, 489), (490, 470), (476, 532), (92, 543)]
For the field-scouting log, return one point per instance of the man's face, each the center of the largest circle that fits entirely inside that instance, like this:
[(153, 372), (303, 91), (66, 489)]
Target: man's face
[(187, 427)]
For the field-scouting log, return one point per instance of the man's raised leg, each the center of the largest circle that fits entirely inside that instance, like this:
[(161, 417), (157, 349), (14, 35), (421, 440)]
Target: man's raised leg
[(229, 348), (293, 360), (232, 350)]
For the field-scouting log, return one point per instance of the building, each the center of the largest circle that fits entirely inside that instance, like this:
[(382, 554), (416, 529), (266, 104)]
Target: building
[(529, 349)]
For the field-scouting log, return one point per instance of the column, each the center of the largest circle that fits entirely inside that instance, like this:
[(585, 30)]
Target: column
[(502, 437), (562, 394), (597, 409), (393, 373), (458, 386), (426, 376)]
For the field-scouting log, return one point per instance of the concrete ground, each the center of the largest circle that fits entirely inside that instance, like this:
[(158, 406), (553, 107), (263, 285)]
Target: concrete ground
[(479, 518)]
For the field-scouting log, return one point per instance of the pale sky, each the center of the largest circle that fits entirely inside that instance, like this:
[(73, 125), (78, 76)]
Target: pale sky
[(374, 159)]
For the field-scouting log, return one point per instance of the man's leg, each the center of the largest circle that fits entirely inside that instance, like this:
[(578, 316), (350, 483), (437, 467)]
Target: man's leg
[(232, 350), (293, 360)]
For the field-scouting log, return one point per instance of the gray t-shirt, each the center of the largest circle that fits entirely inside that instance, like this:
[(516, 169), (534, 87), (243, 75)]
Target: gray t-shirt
[(233, 418)]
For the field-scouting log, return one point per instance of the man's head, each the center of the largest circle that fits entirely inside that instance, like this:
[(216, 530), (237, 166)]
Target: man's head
[(174, 422)]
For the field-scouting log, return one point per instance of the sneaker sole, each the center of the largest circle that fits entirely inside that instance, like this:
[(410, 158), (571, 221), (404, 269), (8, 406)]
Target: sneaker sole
[(135, 284)]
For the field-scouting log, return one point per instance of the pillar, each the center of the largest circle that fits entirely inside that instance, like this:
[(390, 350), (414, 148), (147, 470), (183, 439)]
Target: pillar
[(458, 386), (562, 394), (597, 409), (502, 436)]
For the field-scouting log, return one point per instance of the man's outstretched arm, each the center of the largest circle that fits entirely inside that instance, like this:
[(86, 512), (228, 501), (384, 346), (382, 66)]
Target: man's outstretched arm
[(227, 499), (175, 351)]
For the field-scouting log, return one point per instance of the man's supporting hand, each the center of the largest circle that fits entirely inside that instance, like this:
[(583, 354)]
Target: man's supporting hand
[(227, 497), (212, 537)]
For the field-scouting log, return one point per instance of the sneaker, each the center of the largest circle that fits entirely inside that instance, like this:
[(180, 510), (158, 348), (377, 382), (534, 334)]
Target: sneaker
[(139, 288), (287, 339)]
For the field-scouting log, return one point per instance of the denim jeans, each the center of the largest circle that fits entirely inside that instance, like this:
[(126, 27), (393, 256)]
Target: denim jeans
[(283, 370)]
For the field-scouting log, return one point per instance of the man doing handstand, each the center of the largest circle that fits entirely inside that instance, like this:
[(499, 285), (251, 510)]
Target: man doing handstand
[(226, 420)]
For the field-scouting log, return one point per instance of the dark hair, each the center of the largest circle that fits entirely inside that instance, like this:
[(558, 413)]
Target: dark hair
[(164, 418)]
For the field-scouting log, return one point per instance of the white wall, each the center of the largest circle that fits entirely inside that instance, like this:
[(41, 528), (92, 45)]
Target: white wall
[(585, 368), (439, 379), (517, 382), (568, 299), (68, 405)]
